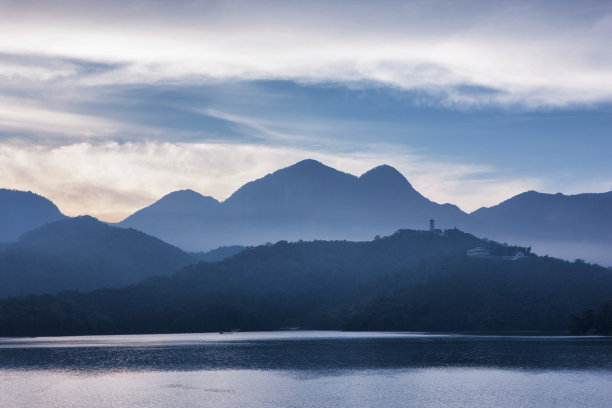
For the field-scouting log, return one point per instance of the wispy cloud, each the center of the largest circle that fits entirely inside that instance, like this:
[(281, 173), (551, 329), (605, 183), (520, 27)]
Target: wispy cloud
[(20, 117), (106, 106), (529, 53), (252, 125)]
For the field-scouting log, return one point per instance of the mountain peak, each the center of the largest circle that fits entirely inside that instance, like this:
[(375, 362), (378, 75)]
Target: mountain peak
[(22, 211), (308, 163), (303, 181), (385, 173), (17, 200), (308, 167), (183, 193), (83, 219), (168, 210), (186, 196), (387, 178), (184, 201), (61, 228)]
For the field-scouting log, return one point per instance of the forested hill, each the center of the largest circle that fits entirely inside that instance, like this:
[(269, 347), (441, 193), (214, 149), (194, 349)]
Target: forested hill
[(85, 254), (412, 280)]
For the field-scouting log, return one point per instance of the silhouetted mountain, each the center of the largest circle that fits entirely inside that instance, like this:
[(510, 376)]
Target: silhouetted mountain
[(307, 188), (312, 201), (574, 226), (305, 201), (386, 190), (182, 218), (22, 211), (409, 281), (83, 253)]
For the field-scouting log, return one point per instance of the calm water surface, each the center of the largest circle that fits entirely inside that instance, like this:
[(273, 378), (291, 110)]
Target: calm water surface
[(306, 369)]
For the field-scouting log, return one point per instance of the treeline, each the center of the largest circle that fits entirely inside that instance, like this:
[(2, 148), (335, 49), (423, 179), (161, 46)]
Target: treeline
[(593, 321), (410, 281)]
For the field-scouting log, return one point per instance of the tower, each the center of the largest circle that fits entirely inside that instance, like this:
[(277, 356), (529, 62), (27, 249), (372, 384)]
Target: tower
[(432, 225)]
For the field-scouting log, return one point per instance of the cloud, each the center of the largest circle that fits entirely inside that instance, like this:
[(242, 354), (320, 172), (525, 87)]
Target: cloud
[(16, 116), (534, 54), (251, 125), (107, 106), (111, 180)]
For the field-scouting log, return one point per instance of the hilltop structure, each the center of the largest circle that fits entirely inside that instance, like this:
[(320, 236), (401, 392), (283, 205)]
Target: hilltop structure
[(432, 227)]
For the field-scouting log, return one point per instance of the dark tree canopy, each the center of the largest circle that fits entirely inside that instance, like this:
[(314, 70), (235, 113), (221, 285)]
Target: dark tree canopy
[(412, 280)]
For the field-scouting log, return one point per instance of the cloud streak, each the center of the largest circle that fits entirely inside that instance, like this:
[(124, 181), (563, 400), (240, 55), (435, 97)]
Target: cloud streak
[(534, 54), (19, 117)]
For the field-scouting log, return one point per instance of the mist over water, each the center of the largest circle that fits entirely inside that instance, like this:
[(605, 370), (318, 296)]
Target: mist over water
[(306, 369)]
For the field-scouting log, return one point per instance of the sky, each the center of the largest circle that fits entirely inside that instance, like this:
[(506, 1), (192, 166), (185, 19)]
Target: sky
[(107, 106)]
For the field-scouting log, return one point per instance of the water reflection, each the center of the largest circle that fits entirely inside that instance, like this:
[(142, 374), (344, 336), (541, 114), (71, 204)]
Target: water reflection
[(312, 352), (381, 388)]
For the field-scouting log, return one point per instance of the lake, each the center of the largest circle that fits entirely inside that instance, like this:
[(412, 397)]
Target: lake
[(306, 369)]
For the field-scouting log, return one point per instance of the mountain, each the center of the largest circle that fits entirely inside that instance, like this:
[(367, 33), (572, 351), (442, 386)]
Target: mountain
[(83, 253), (183, 218), (312, 201), (411, 280), (576, 226), (22, 211), (305, 201)]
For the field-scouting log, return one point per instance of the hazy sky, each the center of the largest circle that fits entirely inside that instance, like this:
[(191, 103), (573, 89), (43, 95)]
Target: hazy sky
[(107, 106)]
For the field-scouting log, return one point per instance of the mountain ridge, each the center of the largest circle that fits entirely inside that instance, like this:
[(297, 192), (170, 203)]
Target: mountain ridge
[(307, 200), (310, 200), (83, 253)]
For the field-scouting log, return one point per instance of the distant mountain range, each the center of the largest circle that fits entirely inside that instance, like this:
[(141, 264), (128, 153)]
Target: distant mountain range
[(564, 226), (305, 201), (541, 216), (409, 281), (312, 201)]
